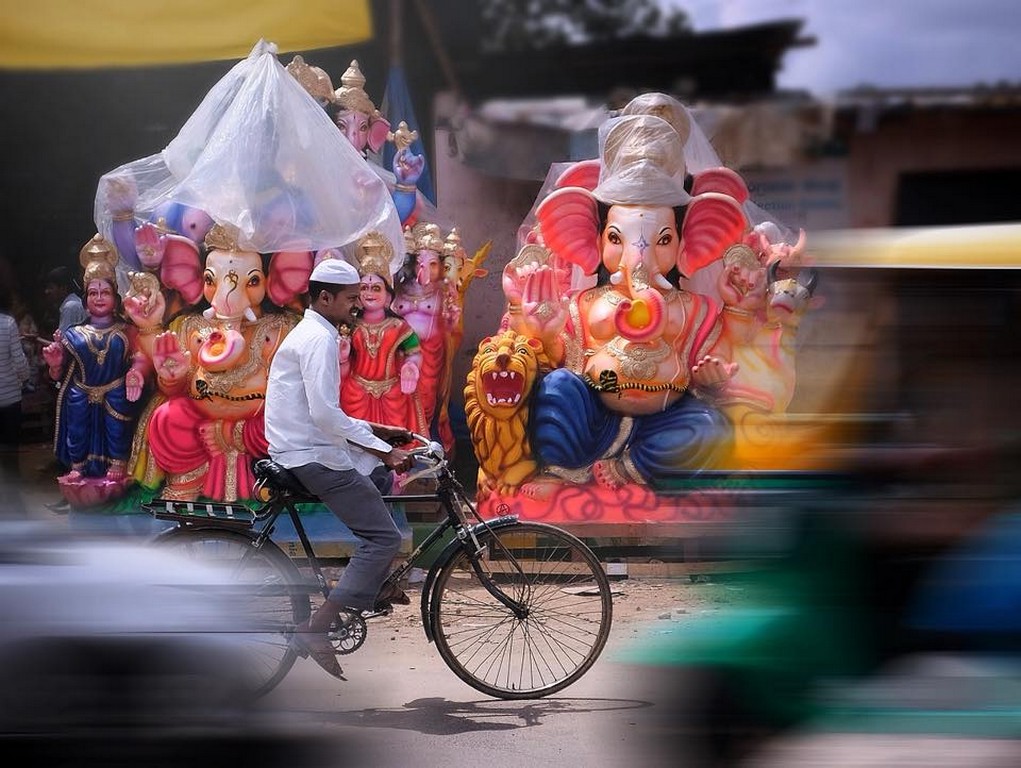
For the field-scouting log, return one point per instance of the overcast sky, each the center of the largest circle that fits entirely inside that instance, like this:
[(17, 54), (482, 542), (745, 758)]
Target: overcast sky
[(889, 43)]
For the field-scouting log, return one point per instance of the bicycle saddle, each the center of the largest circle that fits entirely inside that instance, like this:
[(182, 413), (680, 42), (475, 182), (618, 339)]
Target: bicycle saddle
[(278, 477)]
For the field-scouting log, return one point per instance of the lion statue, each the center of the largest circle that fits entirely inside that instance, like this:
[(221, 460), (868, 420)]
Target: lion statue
[(496, 403)]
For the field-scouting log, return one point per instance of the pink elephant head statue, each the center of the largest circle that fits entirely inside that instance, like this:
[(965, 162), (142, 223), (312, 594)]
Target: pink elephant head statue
[(357, 117), (425, 242), (639, 223), (234, 281)]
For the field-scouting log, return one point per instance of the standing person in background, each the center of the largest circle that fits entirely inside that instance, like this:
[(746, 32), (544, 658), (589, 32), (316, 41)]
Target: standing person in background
[(58, 289), (13, 374)]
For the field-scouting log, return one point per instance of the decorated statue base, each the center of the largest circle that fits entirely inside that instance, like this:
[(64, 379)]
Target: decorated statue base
[(91, 492), (592, 510), (722, 505)]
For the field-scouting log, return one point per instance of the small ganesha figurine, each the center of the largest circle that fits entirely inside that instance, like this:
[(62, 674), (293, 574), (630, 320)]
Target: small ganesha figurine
[(206, 424), (367, 130), (357, 117), (762, 311), (408, 168)]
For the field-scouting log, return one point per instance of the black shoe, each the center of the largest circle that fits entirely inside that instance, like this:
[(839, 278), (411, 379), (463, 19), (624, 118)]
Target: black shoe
[(317, 646), (61, 507), (389, 596)]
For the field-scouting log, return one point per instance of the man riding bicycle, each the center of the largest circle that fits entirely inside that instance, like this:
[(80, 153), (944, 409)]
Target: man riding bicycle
[(336, 457)]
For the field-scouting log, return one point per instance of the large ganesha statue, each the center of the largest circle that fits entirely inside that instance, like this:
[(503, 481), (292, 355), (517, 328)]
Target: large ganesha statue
[(206, 425), (643, 369)]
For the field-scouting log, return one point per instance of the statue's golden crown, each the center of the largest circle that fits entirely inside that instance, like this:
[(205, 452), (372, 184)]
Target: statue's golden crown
[(452, 244), (351, 95), (222, 237), (99, 259), (375, 254), (315, 80), (424, 236)]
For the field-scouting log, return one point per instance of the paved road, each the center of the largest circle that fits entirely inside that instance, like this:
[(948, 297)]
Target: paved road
[(402, 706)]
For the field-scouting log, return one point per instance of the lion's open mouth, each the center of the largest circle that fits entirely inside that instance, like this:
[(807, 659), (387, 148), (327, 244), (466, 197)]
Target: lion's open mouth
[(502, 387)]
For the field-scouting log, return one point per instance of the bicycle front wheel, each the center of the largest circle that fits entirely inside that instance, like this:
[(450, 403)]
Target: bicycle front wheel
[(268, 586), (565, 616)]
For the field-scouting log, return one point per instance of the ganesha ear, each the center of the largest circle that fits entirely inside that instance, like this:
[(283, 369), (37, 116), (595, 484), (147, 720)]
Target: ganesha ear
[(288, 275), (569, 223), (379, 127), (181, 268), (722, 180), (712, 223), (584, 174)]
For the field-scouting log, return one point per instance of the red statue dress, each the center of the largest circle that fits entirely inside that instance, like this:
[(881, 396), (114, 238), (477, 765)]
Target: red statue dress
[(371, 388)]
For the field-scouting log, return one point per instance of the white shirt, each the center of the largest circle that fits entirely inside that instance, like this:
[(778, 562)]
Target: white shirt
[(13, 364), (304, 421)]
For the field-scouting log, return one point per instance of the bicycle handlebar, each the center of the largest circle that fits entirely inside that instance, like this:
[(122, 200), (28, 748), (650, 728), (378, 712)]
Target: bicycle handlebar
[(430, 448)]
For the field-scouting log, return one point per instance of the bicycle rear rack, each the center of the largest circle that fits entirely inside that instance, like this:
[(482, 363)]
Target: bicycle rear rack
[(196, 512)]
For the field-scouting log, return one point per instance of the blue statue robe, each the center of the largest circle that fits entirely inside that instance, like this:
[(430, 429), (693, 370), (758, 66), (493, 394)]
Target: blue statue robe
[(95, 419), (572, 428)]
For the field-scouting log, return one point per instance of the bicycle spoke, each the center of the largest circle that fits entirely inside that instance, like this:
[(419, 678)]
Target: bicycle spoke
[(556, 637), (261, 580)]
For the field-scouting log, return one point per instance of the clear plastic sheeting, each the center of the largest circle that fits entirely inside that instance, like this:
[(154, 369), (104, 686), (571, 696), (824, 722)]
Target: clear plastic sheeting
[(642, 162), (634, 177), (260, 154)]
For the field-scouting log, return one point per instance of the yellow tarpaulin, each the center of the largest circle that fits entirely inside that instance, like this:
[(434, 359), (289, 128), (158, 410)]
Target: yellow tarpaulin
[(980, 246), (38, 34)]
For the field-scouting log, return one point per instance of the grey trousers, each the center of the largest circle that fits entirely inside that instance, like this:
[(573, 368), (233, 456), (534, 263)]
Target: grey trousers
[(357, 502)]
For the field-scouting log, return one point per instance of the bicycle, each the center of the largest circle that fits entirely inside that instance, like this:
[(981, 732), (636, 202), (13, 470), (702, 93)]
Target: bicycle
[(517, 610)]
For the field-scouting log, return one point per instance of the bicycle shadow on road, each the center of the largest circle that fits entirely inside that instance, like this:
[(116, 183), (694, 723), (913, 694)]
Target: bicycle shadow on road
[(441, 717)]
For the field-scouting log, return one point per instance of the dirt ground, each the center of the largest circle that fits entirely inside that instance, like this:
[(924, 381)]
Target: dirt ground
[(637, 603)]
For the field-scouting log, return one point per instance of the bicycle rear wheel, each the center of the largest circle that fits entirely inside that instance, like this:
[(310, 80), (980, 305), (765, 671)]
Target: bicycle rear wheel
[(269, 587), (566, 598)]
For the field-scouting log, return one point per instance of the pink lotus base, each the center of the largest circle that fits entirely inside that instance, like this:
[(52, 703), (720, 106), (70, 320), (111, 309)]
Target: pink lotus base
[(84, 492)]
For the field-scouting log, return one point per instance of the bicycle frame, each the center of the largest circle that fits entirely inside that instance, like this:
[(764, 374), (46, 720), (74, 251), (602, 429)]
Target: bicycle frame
[(452, 497), (476, 570)]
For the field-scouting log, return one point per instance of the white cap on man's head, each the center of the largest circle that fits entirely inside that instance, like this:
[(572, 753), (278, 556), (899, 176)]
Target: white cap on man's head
[(335, 272)]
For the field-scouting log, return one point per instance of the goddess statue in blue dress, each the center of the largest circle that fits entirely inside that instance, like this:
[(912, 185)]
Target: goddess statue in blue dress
[(101, 379)]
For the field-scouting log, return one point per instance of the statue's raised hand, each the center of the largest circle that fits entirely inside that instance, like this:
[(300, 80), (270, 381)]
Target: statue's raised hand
[(543, 306), (53, 354), (145, 311), (133, 383), (408, 167), (409, 377), (150, 245), (712, 372), (172, 365)]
